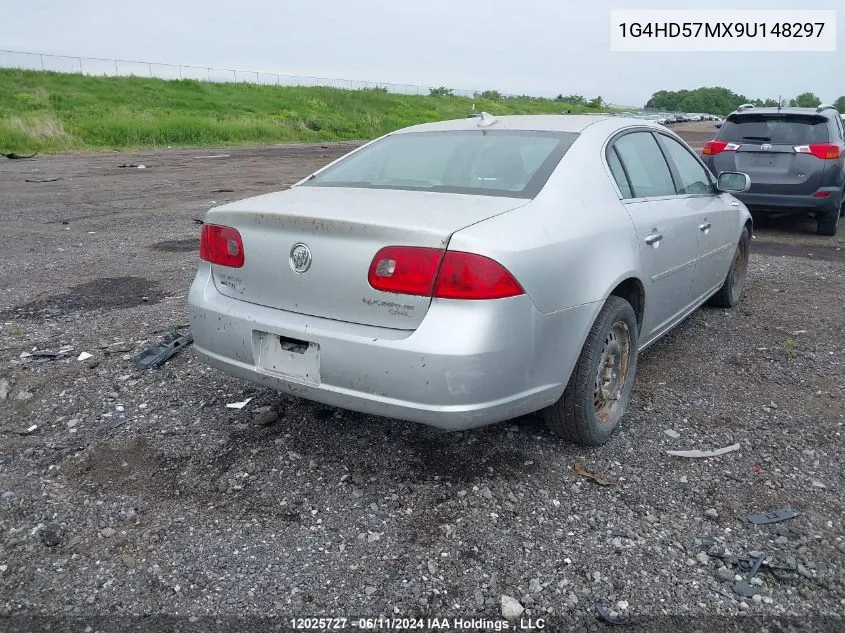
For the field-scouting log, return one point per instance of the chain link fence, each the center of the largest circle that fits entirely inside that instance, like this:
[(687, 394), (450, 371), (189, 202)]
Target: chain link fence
[(97, 66)]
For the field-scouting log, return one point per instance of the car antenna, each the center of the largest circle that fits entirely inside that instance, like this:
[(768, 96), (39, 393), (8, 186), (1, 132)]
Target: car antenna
[(780, 101), (486, 119)]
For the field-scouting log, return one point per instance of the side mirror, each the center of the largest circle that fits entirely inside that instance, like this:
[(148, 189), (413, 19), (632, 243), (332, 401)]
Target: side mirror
[(717, 125), (733, 182)]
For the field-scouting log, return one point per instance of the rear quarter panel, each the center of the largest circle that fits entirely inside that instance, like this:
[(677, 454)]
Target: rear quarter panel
[(573, 243)]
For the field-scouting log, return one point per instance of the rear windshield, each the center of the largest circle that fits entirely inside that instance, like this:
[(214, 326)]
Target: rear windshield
[(775, 128), (507, 163)]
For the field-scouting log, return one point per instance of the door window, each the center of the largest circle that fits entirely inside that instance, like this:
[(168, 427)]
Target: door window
[(694, 178), (648, 172)]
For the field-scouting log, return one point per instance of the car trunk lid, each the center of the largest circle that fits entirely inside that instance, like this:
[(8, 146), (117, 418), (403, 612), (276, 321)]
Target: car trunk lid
[(343, 228)]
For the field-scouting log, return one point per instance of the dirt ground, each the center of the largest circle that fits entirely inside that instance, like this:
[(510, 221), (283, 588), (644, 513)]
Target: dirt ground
[(127, 493)]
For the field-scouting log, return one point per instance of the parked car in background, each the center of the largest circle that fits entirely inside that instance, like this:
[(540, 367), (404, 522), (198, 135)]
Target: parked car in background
[(441, 274), (693, 117), (794, 157)]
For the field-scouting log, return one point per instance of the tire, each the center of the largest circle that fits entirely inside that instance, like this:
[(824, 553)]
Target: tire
[(587, 414), (730, 294), (828, 223)]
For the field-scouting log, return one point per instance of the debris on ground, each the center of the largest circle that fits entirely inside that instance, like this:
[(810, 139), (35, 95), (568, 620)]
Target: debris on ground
[(772, 517), (4, 388), (43, 179), (51, 535), (672, 433), (29, 430), (14, 156), (168, 347), (699, 453), (744, 587), (579, 469), (611, 617), (238, 405), (265, 416), (84, 356), (511, 608), (124, 165)]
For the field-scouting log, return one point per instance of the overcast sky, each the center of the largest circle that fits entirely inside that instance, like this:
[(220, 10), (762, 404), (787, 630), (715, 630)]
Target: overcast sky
[(541, 47)]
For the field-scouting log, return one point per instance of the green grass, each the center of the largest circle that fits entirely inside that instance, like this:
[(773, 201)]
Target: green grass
[(54, 112), (790, 346)]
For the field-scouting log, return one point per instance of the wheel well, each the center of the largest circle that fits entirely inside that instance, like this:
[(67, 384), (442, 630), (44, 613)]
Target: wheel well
[(749, 224), (633, 292)]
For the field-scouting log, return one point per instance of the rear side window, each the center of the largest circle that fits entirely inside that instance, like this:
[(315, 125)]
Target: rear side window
[(645, 165), (619, 174), (778, 129)]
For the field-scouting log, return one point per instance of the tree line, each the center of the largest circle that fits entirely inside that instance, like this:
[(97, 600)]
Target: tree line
[(723, 101)]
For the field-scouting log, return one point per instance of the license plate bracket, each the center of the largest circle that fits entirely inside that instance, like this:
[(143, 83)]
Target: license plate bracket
[(290, 358)]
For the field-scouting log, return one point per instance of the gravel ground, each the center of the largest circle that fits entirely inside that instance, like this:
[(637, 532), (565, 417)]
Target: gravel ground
[(127, 493)]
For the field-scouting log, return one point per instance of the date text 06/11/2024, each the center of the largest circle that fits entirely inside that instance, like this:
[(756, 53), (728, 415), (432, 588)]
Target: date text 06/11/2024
[(416, 624)]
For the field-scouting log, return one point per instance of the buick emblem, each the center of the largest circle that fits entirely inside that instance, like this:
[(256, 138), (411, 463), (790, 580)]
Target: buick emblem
[(300, 258), (765, 146)]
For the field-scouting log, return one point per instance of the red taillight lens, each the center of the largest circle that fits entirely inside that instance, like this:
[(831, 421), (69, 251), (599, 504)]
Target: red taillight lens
[(821, 194), (432, 272), (717, 147), (469, 276), (407, 270), (221, 245), (825, 151)]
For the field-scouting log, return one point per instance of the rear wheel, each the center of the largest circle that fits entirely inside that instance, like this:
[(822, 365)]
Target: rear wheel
[(600, 387), (730, 294), (828, 223)]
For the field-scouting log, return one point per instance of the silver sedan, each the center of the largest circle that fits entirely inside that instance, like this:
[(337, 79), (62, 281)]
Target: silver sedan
[(466, 272)]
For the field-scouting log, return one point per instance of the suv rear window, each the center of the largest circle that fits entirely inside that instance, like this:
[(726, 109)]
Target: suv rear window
[(782, 129)]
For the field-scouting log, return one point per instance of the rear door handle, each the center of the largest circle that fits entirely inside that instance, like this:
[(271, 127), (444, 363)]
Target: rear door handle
[(653, 239), (704, 227)]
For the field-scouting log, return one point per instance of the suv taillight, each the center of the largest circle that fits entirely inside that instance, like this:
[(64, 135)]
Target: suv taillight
[(825, 151), (221, 245), (433, 272), (717, 147)]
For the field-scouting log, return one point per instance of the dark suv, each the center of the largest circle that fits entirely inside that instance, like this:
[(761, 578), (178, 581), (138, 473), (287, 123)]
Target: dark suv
[(794, 156)]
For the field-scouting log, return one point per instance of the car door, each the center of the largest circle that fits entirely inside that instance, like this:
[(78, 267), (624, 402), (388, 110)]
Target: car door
[(715, 216), (666, 227)]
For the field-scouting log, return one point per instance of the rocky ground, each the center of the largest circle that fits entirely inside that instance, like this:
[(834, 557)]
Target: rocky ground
[(127, 492)]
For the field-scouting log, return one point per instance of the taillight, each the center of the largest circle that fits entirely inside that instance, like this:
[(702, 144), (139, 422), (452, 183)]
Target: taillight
[(442, 274), (468, 276), (717, 147), (825, 151), (407, 270), (221, 245)]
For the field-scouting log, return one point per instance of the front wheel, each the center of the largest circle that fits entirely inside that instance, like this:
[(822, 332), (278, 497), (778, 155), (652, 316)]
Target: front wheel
[(600, 386), (730, 294)]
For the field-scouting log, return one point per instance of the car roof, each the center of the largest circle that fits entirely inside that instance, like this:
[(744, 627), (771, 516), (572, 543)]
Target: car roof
[(575, 123)]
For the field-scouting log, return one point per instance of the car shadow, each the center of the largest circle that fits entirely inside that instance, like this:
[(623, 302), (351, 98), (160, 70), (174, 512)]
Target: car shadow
[(799, 223)]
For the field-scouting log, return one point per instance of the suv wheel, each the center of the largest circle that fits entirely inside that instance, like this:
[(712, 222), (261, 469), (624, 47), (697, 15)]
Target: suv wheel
[(828, 223)]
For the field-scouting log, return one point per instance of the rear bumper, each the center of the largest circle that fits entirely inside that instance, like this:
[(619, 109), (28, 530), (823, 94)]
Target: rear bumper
[(785, 203), (468, 364)]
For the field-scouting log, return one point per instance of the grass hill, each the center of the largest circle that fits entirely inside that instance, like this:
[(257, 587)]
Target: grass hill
[(53, 112)]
